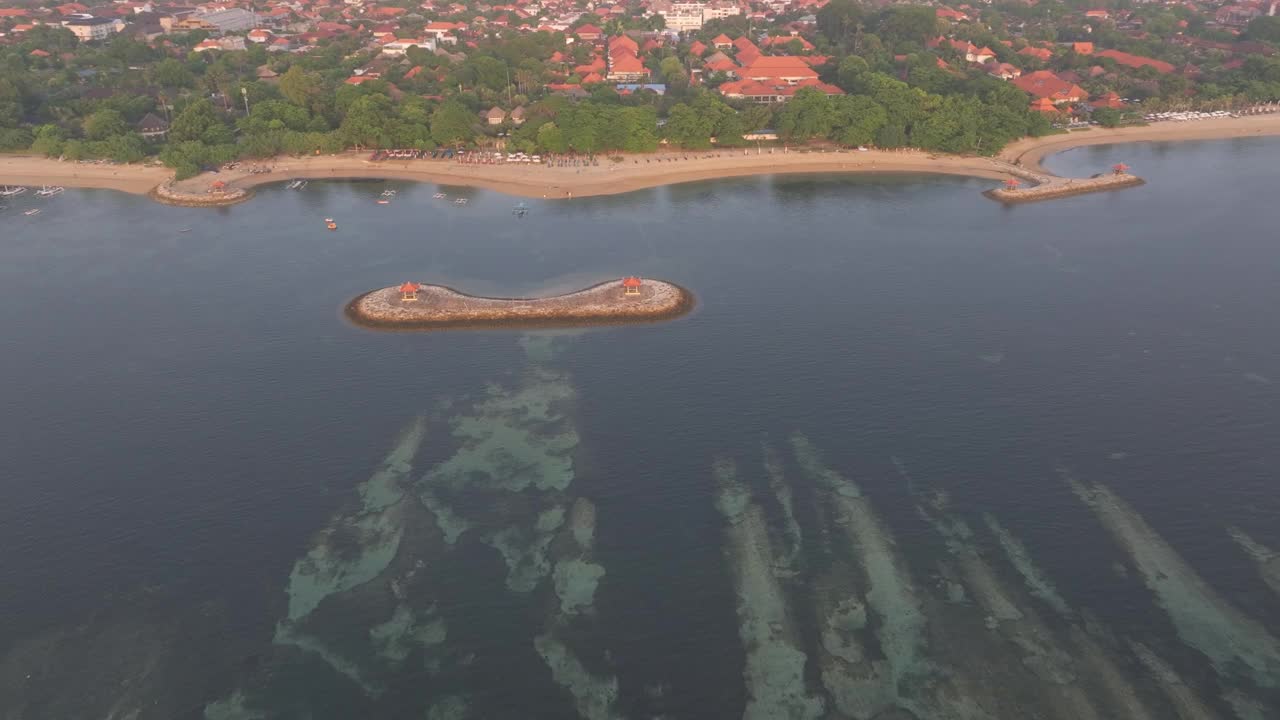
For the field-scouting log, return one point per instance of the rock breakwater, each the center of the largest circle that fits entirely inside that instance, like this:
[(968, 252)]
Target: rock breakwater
[(440, 307)]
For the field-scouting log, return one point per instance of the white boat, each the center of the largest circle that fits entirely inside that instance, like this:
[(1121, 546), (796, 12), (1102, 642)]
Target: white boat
[(32, 211), (48, 191), (11, 191), (460, 201), (388, 193), (438, 196)]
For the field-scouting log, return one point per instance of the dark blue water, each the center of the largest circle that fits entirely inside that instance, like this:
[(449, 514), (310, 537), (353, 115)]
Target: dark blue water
[(185, 410)]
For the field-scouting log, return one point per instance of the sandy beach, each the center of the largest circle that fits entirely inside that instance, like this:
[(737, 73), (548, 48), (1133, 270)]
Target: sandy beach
[(633, 172), (36, 171), (1028, 152)]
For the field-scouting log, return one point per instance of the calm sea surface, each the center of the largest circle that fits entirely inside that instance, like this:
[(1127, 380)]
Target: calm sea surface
[(915, 454)]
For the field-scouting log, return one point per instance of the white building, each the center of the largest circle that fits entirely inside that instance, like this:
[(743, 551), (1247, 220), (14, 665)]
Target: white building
[(397, 48), (92, 28), (223, 21), (687, 16)]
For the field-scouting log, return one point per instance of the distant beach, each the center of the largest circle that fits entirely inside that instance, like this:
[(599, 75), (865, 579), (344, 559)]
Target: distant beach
[(633, 172)]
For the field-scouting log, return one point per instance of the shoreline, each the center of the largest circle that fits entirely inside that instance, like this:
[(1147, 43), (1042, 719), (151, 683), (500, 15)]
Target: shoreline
[(1022, 159), (439, 307)]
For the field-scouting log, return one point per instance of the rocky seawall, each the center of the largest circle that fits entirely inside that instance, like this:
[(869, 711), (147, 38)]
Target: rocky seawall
[(1059, 188), (169, 195), (439, 307)]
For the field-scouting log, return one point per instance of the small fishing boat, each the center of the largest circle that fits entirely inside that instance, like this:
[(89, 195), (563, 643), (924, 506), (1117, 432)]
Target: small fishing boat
[(184, 230), (11, 191), (384, 201), (439, 196), (32, 211), (460, 201), (48, 191), (520, 210), (301, 185), (388, 193), (329, 223)]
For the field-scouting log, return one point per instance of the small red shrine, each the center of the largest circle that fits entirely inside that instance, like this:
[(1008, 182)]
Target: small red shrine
[(1011, 184), (631, 286), (1119, 168), (409, 292)]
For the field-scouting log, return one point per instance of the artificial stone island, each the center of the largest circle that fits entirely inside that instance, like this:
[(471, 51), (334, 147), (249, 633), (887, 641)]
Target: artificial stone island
[(425, 306)]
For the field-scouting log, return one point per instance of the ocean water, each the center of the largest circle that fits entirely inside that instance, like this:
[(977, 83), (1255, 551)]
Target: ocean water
[(914, 455)]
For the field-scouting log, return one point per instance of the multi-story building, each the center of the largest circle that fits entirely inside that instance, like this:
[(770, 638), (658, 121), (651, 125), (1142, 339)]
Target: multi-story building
[(219, 21), (689, 16), (93, 28)]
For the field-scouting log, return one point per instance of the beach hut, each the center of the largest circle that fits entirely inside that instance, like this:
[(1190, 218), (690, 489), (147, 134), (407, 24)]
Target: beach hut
[(1119, 168), (1011, 184), (631, 286), (409, 292)]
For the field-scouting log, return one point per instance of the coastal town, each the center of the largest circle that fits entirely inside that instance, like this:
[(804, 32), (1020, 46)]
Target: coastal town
[(197, 87)]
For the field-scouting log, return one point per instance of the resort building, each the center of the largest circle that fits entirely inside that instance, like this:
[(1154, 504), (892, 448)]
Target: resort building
[(1044, 84)]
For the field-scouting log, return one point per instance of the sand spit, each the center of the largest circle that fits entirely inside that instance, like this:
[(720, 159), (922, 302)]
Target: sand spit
[(775, 666), (1236, 644), (438, 307)]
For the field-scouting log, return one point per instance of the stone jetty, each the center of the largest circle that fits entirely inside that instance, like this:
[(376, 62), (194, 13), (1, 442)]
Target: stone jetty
[(1049, 187), (415, 306)]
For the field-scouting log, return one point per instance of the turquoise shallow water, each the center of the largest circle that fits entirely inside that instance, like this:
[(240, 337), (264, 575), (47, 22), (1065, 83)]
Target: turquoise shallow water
[(914, 452)]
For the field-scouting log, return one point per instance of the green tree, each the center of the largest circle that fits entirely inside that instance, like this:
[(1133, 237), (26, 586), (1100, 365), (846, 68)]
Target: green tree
[(857, 119), (689, 128), (104, 124), (550, 139), (809, 114), (173, 73), (48, 141), (451, 124)]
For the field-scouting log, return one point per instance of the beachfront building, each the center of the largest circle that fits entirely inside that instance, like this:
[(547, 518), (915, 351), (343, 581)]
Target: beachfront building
[(152, 127), (1043, 84)]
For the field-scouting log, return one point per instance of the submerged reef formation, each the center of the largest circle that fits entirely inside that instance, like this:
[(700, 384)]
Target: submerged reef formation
[(371, 599), (1236, 644), (825, 593), (413, 306)]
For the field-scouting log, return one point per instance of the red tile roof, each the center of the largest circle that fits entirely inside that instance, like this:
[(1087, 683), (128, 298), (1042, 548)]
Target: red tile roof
[(1136, 61), (1044, 84)]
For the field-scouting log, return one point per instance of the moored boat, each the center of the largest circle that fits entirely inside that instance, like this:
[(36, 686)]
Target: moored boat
[(32, 211), (11, 191), (50, 191)]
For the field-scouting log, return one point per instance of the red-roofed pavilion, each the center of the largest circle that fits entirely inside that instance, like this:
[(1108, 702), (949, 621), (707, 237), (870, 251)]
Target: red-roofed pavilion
[(1011, 184), (409, 292), (631, 286), (1119, 168)]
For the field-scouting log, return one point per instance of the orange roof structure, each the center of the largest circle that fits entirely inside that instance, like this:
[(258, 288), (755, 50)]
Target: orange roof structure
[(1136, 61), (1044, 105), (631, 282), (410, 287), (1044, 84), (1082, 48)]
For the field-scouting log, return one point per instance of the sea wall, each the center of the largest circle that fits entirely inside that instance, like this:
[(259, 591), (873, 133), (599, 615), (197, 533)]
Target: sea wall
[(1060, 188), (439, 307), (167, 194)]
